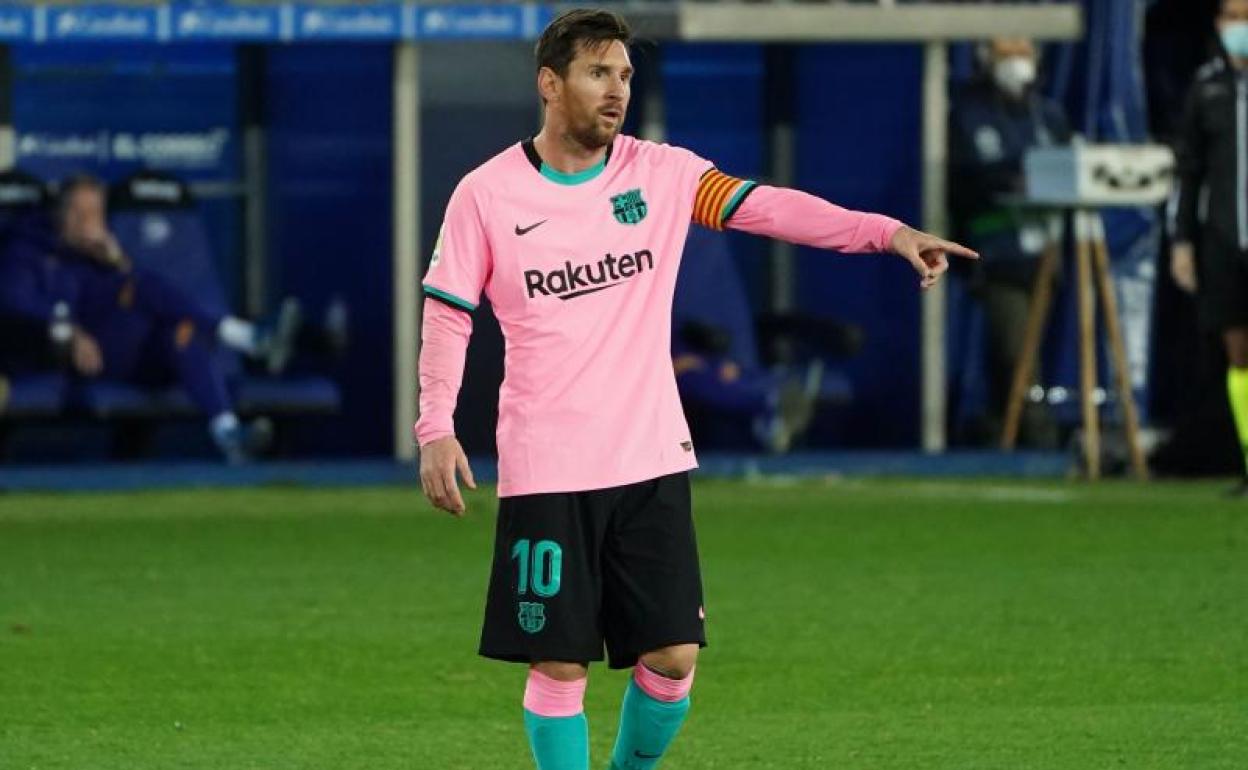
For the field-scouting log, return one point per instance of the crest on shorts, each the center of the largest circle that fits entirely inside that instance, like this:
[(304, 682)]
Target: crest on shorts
[(532, 617), (629, 207)]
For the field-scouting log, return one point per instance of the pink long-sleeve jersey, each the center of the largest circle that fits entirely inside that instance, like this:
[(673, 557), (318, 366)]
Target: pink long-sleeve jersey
[(580, 270)]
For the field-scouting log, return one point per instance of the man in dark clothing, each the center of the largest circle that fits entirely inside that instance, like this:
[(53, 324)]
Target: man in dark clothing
[(1210, 205), (994, 119), (128, 324)]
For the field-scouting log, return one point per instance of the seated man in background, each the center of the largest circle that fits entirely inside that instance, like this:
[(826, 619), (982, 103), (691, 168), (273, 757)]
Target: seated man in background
[(777, 408), (128, 324), (993, 121), (723, 380)]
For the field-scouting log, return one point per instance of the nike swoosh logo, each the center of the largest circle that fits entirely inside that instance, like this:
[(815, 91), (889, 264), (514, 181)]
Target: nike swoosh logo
[(522, 230), (583, 292), (637, 753)]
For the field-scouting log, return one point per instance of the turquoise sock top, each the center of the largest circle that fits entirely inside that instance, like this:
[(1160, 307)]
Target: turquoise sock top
[(558, 743), (647, 727)]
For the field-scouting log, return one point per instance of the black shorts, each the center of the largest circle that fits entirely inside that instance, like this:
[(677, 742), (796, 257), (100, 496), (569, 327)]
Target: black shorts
[(573, 570), (1222, 290)]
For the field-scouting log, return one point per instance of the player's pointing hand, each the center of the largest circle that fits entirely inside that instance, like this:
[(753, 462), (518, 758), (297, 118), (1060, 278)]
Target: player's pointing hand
[(927, 253), (439, 461)]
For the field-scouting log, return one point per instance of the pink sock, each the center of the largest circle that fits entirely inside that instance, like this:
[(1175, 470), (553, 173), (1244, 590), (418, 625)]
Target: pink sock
[(660, 687), (547, 697)]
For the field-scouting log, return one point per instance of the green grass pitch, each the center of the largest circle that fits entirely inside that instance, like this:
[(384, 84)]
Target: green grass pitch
[(853, 624)]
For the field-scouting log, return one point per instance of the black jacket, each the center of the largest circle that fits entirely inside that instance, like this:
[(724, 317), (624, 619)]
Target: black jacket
[(988, 136), (1212, 154)]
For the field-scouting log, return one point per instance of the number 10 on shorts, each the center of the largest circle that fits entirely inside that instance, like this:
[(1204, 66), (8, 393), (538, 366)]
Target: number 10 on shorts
[(540, 566)]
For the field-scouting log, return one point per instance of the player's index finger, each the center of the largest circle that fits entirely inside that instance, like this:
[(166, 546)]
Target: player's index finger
[(960, 250)]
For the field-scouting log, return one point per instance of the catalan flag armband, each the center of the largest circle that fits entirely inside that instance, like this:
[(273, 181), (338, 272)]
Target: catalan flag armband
[(718, 197)]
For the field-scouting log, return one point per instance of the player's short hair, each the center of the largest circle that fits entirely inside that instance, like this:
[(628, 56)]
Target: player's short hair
[(557, 46)]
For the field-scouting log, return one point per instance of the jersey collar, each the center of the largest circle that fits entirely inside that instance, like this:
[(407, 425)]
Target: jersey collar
[(559, 177)]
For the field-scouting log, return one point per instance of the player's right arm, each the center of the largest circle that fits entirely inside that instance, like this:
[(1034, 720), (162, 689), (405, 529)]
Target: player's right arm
[(1184, 201), (457, 273), (806, 220), (444, 343)]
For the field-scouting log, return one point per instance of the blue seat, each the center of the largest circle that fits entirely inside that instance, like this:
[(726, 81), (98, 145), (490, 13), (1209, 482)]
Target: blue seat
[(711, 292), (157, 224), (32, 395), (289, 396), (107, 399), (836, 388)]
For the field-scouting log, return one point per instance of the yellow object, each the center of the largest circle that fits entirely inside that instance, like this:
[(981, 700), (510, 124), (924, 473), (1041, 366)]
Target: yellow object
[(125, 298), (183, 334), (687, 362), (1237, 391)]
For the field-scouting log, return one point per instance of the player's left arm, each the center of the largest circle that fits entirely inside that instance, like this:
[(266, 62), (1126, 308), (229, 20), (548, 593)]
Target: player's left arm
[(798, 217)]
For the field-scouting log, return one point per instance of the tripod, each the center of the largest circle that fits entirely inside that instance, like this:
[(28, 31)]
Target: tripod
[(1092, 261)]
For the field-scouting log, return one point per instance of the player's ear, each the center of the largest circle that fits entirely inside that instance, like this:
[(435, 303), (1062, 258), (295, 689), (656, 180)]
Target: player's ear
[(548, 84)]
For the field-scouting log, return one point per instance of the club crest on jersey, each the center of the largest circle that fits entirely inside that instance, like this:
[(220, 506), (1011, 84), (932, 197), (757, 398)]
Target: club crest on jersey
[(629, 207), (532, 617)]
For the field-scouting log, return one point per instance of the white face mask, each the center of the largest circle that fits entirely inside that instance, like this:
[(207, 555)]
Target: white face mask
[(1235, 38), (1014, 74)]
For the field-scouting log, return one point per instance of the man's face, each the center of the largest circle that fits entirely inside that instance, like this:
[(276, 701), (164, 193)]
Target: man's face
[(83, 222), (1014, 47), (1233, 11), (594, 96)]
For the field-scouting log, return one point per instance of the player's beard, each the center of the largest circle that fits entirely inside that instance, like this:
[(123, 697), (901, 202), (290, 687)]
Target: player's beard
[(591, 135)]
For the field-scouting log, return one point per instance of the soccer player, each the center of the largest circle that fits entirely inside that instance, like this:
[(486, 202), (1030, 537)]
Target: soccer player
[(1213, 168), (575, 236)]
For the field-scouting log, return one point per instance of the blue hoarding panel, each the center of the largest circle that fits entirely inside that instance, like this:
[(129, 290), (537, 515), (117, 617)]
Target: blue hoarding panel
[(196, 21), (16, 24), (377, 21), (481, 22), (190, 20), (107, 22), (113, 108)]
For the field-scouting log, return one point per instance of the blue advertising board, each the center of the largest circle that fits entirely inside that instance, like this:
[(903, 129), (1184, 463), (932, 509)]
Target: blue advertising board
[(111, 109), (375, 21), (230, 23), (114, 23), (17, 23), (481, 22), (185, 20)]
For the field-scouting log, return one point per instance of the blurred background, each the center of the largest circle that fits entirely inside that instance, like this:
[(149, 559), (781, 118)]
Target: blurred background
[(314, 145), (214, 217)]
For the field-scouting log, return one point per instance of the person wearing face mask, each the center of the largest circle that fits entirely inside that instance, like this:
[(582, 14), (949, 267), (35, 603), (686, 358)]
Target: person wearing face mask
[(1209, 207), (994, 118)]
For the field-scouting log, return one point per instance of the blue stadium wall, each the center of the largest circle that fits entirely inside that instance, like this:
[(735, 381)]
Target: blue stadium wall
[(856, 117)]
